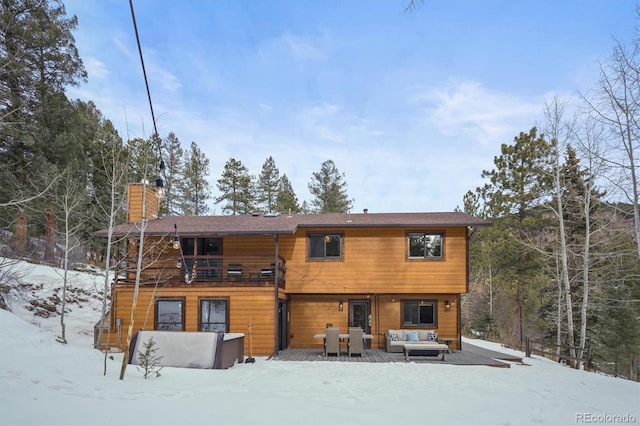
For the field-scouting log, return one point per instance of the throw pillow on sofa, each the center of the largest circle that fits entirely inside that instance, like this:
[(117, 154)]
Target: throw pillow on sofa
[(394, 337), (412, 337), (432, 336)]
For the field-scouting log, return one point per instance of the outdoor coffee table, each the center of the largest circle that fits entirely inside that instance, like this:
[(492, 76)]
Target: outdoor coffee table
[(409, 347), (447, 341)]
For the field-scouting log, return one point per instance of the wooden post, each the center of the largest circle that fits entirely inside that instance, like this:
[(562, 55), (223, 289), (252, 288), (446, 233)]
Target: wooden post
[(528, 348), (587, 362)]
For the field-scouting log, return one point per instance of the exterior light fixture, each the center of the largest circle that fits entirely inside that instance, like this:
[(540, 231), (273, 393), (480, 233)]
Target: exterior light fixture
[(175, 239), (160, 187), (447, 305), (340, 306)]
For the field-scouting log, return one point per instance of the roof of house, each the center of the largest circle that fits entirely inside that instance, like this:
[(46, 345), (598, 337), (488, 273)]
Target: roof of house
[(288, 224)]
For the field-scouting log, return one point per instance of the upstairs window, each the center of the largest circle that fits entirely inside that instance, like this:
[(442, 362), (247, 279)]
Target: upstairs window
[(419, 314), (325, 246), (425, 245)]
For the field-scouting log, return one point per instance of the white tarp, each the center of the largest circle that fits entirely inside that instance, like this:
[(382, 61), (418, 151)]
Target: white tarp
[(179, 349)]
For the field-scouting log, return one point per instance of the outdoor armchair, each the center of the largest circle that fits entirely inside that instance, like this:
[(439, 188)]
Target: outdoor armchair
[(356, 339), (332, 341)]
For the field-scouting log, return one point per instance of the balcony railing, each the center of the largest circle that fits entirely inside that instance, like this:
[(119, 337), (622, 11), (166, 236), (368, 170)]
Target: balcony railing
[(209, 270)]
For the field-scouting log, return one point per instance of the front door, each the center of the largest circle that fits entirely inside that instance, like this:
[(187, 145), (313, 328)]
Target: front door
[(360, 316)]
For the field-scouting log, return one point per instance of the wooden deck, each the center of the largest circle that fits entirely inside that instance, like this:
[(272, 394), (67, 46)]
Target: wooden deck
[(469, 355)]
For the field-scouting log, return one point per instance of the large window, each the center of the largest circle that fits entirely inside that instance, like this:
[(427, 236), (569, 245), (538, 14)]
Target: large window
[(419, 313), (213, 315), (170, 314), (325, 246), (425, 245), (206, 246)]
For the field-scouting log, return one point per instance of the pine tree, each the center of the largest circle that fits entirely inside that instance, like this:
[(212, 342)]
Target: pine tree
[(174, 174), (328, 188), (267, 186), (143, 156), (235, 186), (286, 200), (195, 187), (109, 159), (517, 187), (38, 60), (149, 361)]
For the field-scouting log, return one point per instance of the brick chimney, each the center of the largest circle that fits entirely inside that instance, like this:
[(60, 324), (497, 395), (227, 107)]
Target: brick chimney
[(135, 192)]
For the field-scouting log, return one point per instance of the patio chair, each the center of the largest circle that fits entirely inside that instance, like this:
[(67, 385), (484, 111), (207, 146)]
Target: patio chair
[(332, 341), (356, 341), (234, 270)]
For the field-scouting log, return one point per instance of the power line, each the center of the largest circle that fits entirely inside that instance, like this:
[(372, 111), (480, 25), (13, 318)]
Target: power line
[(159, 181)]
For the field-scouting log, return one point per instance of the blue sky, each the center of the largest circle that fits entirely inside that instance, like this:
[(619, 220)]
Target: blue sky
[(410, 107)]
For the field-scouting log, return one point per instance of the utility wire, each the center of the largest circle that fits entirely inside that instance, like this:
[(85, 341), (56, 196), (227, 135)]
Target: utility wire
[(159, 181)]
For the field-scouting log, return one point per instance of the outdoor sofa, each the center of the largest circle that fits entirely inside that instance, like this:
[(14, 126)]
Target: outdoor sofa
[(397, 338)]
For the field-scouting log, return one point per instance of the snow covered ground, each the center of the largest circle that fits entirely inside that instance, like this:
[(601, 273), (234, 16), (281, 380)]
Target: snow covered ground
[(43, 382)]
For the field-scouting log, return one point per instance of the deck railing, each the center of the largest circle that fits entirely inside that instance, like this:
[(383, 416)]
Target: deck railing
[(561, 353), (209, 270)]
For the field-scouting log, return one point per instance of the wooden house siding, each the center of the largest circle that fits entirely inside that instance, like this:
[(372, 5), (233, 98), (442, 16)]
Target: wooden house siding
[(244, 305), (376, 261), (309, 315)]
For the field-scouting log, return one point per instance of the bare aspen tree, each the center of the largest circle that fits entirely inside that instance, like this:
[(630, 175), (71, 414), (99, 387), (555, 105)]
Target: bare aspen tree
[(557, 133), (136, 289), (70, 202), (616, 104), (589, 140), (113, 163)]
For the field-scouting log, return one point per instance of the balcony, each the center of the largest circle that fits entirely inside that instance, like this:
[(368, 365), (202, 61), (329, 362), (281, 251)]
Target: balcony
[(218, 271)]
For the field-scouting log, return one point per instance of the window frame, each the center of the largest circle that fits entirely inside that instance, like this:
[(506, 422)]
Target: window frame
[(324, 236), (406, 304), (423, 234), (226, 313), (182, 313)]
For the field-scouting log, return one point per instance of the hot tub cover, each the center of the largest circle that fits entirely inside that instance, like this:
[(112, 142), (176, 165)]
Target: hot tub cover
[(183, 349)]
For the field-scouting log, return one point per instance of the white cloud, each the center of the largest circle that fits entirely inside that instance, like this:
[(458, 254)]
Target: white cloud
[(469, 109), (95, 68), (122, 44), (302, 49), (288, 47), (166, 79)]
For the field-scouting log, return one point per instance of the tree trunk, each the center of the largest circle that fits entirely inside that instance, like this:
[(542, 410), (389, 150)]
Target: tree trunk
[(559, 314), (49, 250), (21, 232)]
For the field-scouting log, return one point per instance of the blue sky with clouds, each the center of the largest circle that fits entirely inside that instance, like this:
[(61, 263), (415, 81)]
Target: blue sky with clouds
[(410, 107)]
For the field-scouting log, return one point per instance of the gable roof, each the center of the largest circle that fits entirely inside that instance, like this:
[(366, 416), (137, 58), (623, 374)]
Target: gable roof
[(288, 224)]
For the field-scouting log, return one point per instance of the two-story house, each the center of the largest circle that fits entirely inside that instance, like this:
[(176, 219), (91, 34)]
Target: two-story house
[(291, 275)]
